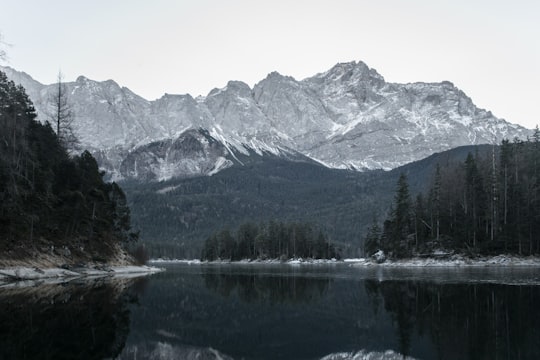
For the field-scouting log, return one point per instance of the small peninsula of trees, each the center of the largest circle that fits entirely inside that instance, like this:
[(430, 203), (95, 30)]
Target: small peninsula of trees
[(488, 204), (273, 240), (51, 202)]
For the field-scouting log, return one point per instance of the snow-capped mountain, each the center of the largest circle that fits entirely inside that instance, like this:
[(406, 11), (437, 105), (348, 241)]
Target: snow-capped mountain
[(346, 117)]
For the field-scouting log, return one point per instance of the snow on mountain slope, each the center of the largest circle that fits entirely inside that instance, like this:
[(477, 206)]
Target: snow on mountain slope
[(346, 117), (193, 153), (107, 115)]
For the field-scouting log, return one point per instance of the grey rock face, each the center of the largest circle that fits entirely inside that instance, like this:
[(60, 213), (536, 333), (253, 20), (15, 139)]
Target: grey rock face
[(193, 153), (346, 117)]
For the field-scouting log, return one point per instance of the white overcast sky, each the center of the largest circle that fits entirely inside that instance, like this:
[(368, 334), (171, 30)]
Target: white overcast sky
[(488, 48)]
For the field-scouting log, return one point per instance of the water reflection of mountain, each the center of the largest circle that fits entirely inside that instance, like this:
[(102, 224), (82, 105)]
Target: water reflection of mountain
[(464, 321), (315, 315), (194, 310), (86, 320), (167, 351), (256, 287)]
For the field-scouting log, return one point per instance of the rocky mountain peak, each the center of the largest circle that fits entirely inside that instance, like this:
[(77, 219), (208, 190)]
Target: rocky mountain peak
[(346, 117), (33, 87), (232, 88), (82, 79), (348, 73), (276, 77)]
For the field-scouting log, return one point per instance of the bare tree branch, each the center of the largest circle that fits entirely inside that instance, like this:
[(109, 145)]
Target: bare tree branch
[(62, 116)]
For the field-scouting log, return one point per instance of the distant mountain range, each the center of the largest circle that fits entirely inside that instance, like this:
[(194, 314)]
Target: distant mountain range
[(348, 117)]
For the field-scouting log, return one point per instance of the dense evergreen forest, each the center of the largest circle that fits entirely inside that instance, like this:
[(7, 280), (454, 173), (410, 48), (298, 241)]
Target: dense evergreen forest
[(487, 204), (274, 240), (176, 216), (51, 202)]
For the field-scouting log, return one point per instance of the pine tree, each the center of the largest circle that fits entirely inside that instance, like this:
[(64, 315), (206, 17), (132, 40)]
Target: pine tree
[(504, 160), (62, 116), (401, 218), (474, 200), (421, 227), (494, 194), (121, 215), (372, 242), (436, 224), (535, 216), (245, 236), (226, 245), (516, 194)]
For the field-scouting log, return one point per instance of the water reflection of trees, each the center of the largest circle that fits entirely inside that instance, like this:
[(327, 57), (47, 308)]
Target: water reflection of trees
[(465, 321), (259, 287), (65, 321)]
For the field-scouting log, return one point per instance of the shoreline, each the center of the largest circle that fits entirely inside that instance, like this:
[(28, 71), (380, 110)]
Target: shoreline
[(450, 262), (455, 261), (54, 267), (16, 274), (246, 261)]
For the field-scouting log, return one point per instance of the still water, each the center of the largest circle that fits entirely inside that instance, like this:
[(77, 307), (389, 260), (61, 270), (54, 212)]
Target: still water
[(279, 312)]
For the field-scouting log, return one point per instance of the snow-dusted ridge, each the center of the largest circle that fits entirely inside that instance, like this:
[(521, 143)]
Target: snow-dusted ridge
[(346, 117)]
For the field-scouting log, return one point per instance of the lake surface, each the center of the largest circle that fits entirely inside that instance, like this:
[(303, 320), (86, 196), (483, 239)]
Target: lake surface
[(280, 312)]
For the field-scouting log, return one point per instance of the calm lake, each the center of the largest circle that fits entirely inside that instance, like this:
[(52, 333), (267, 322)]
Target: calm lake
[(279, 312)]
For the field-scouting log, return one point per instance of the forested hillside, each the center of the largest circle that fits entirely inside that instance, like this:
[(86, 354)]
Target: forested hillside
[(487, 204), (52, 203), (176, 216)]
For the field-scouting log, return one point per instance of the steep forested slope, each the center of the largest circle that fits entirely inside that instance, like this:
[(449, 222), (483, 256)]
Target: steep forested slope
[(52, 204)]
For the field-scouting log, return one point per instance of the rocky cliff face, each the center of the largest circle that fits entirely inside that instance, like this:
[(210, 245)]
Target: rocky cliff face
[(190, 154), (346, 117)]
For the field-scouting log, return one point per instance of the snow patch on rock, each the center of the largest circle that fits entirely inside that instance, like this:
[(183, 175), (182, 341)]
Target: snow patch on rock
[(368, 355)]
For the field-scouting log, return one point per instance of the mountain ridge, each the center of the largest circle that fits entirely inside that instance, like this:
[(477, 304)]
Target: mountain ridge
[(345, 117)]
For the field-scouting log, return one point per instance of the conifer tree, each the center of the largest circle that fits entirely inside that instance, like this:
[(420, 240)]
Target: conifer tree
[(372, 241), (436, 225), (474, 203), (61, 114), (401, 218), (420, 225)]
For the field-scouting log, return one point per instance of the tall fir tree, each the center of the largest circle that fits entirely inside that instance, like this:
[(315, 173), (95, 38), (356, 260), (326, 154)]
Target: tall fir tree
[(401, 219)]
